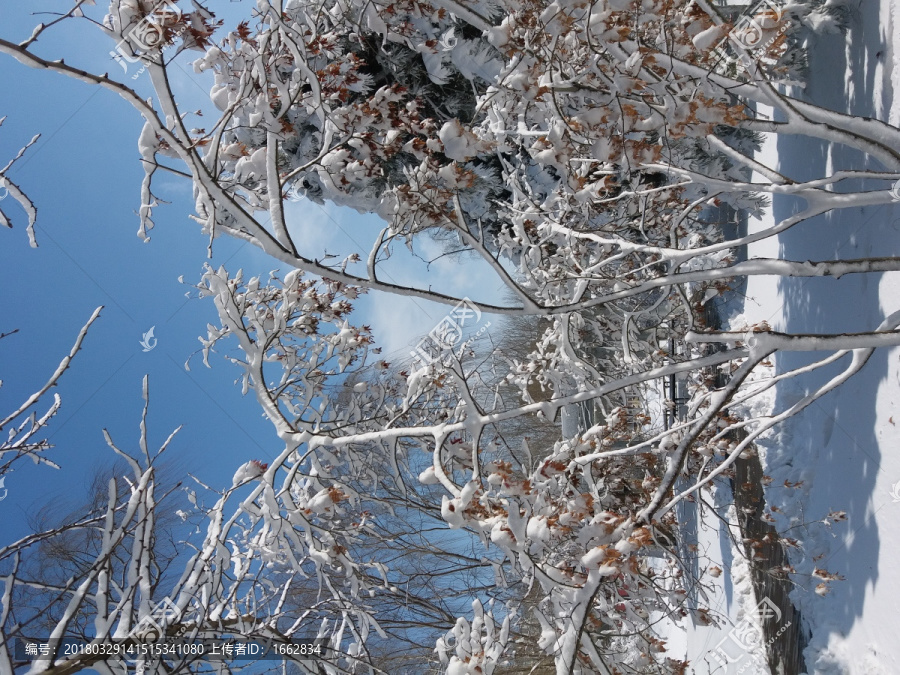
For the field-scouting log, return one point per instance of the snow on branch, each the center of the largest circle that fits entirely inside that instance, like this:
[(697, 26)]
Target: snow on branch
[(23, 426), (9, 189)]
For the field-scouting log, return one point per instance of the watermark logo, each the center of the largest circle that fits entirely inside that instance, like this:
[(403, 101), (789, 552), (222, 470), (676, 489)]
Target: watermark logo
[(449, 331), (154, 626), (3, 490), (148, 36), (752, 28), (148, 342), (4, 191), (747, 636), (120, 666), (895, 492), (756, 31), (895, 192)]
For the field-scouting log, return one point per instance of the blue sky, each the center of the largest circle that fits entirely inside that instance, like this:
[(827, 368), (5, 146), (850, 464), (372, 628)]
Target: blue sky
[(84, 176)]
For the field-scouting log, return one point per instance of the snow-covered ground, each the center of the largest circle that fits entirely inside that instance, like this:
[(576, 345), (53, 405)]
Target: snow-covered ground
[(844, 450)]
